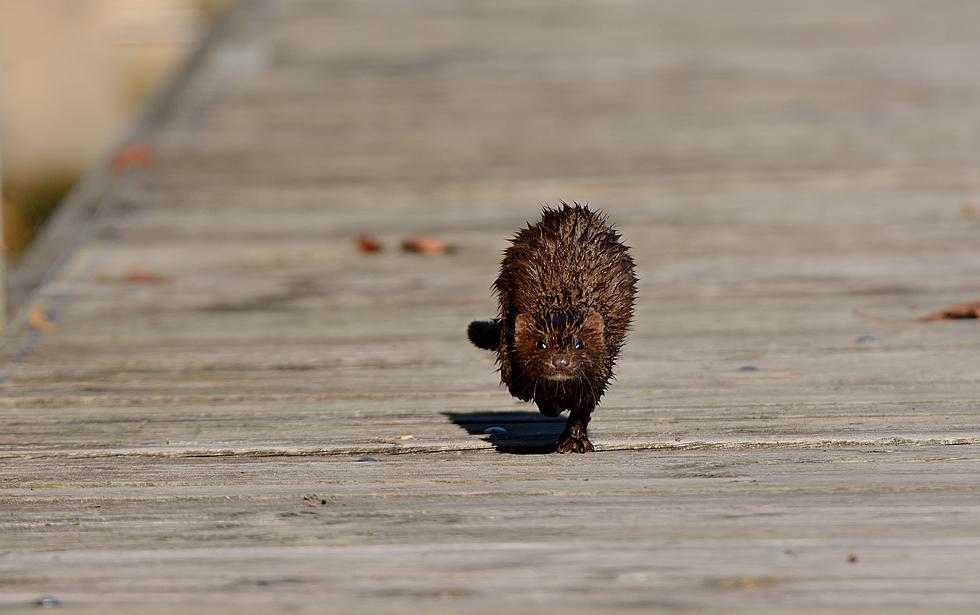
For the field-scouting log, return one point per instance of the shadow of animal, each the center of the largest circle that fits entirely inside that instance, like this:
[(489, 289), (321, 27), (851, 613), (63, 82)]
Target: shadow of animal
[(525, 432)]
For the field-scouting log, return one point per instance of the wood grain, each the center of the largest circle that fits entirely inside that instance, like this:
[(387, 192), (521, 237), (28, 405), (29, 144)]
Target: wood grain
[(191, 437)]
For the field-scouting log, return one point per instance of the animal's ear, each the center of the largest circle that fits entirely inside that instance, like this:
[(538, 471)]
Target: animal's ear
[(523, 326), (593, 324)]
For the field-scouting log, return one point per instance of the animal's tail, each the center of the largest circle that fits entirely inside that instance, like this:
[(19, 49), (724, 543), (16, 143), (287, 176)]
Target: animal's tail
[(484, 333)]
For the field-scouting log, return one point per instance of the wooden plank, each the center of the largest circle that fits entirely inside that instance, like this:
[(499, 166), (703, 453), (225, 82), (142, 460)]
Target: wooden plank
[(190, 436), (732, 526)]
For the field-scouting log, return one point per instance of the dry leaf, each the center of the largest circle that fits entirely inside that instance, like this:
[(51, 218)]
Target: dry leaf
[(969, 210), (963, 310), (143, 276), (407, 436), (133, 156), (955, 312), (136, 276), (426, 245), (746, 582), (368, 244), (39, 321)]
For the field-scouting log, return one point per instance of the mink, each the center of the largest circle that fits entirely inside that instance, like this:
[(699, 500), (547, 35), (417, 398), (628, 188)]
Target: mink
[(566, 290)]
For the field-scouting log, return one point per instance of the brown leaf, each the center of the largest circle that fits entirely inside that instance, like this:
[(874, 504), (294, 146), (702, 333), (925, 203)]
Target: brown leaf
[(963, 310), (39, 321), (136, 275), (135, 155), (368, 244), (426, 245), (142, 276), (969, 210), (955, 312)]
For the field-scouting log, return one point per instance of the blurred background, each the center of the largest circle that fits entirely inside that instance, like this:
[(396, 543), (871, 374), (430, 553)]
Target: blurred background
[(73, 73)]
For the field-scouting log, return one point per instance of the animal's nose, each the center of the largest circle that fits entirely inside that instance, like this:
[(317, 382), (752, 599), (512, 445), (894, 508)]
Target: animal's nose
[(560, 362)]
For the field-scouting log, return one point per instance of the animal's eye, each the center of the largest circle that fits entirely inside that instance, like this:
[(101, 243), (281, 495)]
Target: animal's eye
[(579, 345), (541, 345)]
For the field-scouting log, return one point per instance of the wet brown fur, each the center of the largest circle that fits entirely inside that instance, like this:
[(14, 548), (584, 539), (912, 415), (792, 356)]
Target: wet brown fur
[(566, 290)]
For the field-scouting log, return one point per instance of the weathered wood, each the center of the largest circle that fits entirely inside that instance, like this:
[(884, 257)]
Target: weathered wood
[(418, 527), (190, 438)]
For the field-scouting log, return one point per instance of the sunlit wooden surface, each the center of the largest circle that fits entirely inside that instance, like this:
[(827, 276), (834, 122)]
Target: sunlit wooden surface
[(216, 403)]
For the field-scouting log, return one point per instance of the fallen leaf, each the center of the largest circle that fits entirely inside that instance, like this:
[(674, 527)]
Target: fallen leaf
[(969, 210), (426, 245), (852, 559), (963, 310), (407, 436), (143, 276), (136, 276), (368, 244), (134, 155), (39, 321), (955, 312), (746, 582)]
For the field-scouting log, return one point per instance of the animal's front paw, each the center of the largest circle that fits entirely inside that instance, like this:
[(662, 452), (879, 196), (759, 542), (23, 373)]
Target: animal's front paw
[(569, 443)]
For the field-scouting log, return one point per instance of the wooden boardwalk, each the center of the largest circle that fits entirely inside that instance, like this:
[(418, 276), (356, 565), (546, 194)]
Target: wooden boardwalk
[(223, 406)]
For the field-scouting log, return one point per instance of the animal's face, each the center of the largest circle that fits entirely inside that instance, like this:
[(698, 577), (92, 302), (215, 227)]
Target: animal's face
[(559, 346)]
